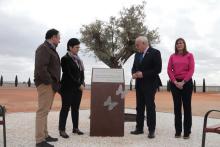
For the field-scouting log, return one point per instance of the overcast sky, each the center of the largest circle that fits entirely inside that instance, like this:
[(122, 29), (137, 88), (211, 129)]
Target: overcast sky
[(23, 25)]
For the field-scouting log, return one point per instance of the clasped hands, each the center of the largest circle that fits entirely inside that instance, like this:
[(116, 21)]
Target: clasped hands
[(179, 84), (138, 74)]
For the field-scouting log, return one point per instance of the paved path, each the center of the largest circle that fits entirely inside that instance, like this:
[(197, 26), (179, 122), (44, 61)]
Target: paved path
[(20, 133)]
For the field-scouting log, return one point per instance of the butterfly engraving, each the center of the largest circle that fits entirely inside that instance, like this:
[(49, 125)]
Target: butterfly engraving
[(121, 91), (111, 105), (121, 62)]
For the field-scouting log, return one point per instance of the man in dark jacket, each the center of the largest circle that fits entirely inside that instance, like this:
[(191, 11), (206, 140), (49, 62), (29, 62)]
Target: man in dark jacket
[(47, 79), (146, 68)]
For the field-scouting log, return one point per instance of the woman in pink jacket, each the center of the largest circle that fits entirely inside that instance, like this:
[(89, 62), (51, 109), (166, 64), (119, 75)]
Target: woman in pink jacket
[(180, 70)]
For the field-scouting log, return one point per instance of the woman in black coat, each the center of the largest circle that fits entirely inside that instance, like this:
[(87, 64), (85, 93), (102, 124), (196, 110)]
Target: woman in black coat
[(72, 85)]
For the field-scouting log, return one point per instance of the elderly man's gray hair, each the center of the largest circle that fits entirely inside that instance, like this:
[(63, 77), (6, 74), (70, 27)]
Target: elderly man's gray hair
[(142, 39)]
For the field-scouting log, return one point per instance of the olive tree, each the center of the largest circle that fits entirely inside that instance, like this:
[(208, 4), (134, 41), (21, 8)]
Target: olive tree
[(113, 42)]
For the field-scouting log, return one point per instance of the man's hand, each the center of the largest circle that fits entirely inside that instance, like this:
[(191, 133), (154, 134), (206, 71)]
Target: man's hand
[(134, 76), (139, 74), (81, 87)]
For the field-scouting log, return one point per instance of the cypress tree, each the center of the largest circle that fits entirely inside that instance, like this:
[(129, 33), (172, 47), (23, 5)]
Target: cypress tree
[(131, 84), (16, 81), (168, 86), (194, 86), (203, 86), (29, 82), (1, 81)]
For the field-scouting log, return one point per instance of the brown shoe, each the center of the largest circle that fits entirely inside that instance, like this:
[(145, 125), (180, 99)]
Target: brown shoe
[(63, 134)]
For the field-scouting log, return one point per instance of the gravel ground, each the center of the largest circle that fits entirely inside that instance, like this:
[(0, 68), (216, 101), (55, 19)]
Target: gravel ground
[(21, 129)]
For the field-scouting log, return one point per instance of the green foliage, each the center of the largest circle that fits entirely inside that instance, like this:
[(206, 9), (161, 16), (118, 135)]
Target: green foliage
[(114, 41)]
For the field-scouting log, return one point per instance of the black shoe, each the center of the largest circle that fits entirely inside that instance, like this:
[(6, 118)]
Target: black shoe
[(177, 135), (44, 144), (186, 135), (63, 134), (51, 139), (77, 131), (151, 135), (137, 132)]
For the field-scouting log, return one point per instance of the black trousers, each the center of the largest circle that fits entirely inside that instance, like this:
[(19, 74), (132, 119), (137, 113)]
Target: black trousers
[(145, 98), (70, 99), (182, 97)]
